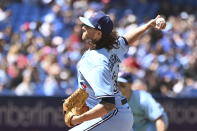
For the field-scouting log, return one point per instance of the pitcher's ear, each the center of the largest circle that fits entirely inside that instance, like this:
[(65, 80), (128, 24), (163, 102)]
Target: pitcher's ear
[(98, 34)]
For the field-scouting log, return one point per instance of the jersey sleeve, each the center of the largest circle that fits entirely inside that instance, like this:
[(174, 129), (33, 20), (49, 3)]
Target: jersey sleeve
[(153, 109), (100, 81), (123, 47)]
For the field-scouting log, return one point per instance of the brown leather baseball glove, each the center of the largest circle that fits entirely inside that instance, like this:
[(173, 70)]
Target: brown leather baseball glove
[(75, 105)]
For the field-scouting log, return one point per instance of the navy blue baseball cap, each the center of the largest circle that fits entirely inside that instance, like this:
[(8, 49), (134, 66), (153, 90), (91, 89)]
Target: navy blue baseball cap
[(125, 78), (99, 21)]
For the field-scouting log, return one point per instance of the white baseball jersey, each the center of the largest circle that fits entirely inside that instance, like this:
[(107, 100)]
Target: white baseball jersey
[(98, 70)]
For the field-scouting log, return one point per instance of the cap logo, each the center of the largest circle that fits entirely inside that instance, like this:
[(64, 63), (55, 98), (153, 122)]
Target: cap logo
[(99, 27)]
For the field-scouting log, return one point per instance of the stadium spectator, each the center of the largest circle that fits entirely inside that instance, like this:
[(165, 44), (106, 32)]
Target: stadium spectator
[(33, 31)]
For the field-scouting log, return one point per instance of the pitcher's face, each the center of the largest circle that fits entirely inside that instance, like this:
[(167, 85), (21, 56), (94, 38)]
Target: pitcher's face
[(90, 33), (125, 88)]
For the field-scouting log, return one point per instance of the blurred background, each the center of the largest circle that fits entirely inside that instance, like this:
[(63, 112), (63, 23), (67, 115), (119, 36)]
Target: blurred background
[(40, 45)]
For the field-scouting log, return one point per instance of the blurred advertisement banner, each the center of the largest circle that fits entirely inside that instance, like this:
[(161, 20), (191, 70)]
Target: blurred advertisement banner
[(31, 113), (45, 113), (182, 113)]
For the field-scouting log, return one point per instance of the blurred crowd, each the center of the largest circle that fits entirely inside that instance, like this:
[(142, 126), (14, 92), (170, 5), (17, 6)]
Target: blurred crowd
[(40, 45)]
